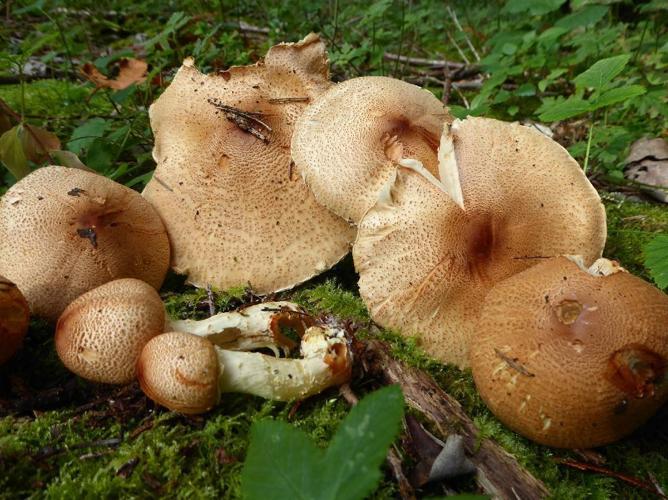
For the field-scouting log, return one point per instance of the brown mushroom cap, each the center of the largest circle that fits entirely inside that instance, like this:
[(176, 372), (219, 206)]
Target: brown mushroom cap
[(428, 252), (14, 319), (235, 211), (180, 371), (348, 142), (100, 335), (570, 359), (64, 231)]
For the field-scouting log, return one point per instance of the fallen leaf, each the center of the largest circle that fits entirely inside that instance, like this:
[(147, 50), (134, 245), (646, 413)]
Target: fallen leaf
[(11, 153), (647, 164), (130, 71), (38, 143), (68, 159)]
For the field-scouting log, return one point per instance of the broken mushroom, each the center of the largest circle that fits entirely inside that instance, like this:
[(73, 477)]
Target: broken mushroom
[(235, 211), (14, 319), (64, 231), (348, 142), (187, 373), (429, 250), (99, 336), (570, 356)]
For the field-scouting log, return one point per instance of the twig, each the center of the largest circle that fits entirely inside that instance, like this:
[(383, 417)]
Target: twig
[(499, 474), (418, 61), (243, 119), (638, 483), (453, 15), (459, 50), (286, 100)]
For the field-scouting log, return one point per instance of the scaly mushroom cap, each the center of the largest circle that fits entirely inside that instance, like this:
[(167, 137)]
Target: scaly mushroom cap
[(235, 211), (428, 252), (348, 142), (100, 335), (180, 371), (64, 231), (571, 357), (14, 319)]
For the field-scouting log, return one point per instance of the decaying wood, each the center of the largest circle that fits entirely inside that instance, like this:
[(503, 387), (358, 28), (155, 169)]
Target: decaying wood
[(499, 474)]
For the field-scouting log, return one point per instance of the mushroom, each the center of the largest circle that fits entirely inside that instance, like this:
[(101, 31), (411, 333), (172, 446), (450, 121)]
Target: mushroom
[(14, 319), (64, 231), (429, 250), (348, 142), (570, 356), (187, 373), (235, 211), (99, 336)]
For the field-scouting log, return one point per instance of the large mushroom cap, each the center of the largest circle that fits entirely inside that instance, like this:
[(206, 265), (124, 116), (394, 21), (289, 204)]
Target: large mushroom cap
[(348, 142), (572, 357), (14, 319), (180, 371), (428, 252), (100, 335), (64, 231), (235, 211)]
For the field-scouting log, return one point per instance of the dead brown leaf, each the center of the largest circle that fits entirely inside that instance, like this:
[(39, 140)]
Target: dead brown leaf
[(38, 143), (130, 71)]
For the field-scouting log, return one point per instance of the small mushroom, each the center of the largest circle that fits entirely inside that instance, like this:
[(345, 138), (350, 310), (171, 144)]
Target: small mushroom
[(235, 209), (99, 336), (187, 373), (64, 231), (14, 319), (570, 356), (429, 250), (348, 142)]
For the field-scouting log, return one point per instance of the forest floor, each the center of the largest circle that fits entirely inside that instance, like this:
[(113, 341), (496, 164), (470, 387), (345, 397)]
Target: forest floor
[(62, 437)]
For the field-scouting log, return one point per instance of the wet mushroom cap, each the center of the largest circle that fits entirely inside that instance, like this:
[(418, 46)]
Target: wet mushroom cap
[(235, 209), (180, 371), (348, 142), (429, 251), (64, 231), (100, 335), (572, 359), (14, 319)]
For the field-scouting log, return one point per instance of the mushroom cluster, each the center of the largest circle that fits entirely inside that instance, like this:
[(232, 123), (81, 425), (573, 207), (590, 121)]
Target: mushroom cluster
[(266, 176)]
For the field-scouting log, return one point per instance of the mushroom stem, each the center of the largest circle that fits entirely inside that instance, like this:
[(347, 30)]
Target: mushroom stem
[(325, 362), (256, 327)]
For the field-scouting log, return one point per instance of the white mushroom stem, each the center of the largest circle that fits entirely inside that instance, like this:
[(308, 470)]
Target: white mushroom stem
[(255, 327), (326, 361)]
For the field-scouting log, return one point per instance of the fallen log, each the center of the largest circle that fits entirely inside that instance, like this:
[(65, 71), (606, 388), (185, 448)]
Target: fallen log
[(498, 472)]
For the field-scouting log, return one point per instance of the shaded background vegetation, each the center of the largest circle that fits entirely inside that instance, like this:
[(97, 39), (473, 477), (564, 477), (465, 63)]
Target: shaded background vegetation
[(513, 60)]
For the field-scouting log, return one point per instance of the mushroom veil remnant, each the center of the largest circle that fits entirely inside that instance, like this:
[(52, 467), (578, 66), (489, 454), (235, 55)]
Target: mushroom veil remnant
[(235, 209), (64, 231), (429, 250), (348, 143), (571, 356)]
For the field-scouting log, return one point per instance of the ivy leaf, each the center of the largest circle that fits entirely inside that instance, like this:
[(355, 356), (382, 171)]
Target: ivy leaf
[(561, 110), (619, 94), (656, 259), (601, 72), (282, 461)]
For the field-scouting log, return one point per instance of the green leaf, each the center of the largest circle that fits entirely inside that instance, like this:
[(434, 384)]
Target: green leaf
[(561, 110), (601, 72), (534, 7), (618, 95), (12, 154), (589, 15), (656, 259), (282, 462), (84, 135)]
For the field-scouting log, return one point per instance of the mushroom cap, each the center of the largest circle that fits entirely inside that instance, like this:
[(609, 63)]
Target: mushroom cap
[(235, 211), (180, 371), (428, 251), (569, 358), (64, 231), (14, 319), (100, 335), (348, 142)]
